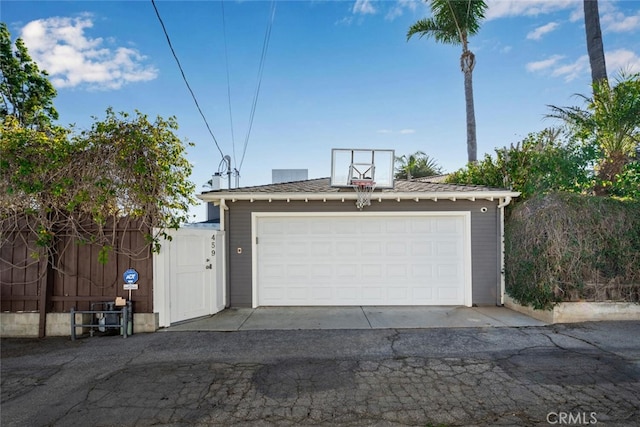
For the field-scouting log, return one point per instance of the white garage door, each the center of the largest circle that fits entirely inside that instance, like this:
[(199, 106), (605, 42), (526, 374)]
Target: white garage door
[(362, 259)]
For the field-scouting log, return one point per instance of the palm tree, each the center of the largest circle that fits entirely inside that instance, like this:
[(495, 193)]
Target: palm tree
[(416, 165), (453, 22), (594, 41), (610, 121)]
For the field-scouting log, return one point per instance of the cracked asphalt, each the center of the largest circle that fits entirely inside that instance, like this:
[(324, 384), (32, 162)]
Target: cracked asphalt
[(577, 374)]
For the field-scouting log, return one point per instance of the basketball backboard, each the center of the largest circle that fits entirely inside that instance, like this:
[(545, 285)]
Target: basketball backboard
[(358, 163)]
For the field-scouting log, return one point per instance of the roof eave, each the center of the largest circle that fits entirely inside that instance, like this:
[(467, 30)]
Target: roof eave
[(414, 195)]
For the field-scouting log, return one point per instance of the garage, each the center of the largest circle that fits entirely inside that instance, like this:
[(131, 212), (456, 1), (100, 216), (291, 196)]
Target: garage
[(361, 258)]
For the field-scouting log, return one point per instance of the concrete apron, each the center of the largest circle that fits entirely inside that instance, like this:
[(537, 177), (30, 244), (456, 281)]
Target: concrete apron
[(374, 317)]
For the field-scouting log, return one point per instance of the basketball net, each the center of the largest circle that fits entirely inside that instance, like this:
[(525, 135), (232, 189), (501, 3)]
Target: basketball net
[(364, 189)]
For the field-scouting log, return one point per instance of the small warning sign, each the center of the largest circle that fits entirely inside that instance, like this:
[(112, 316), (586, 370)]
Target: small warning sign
[(130, 286)]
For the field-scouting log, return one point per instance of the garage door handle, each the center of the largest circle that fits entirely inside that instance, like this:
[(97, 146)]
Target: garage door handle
[(208, 267)]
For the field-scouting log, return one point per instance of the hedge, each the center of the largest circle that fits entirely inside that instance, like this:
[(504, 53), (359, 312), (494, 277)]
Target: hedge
[(567, 247)]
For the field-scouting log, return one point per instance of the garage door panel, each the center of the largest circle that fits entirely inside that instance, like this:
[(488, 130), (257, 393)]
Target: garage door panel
[(348, 227), (396, 271), (346, 271), (371, 227), (369, 248), (322, 271), (372, 272), (298, 272), (447, 248), (397, 249), (423, 294), (397, 294), (345, 248), (361, 260), (271, 249), (421, 227), (320, 249), (422, 272), (396, 226), (297, 249), (298, 294), (348, 294), (447, 225), (422, 248)]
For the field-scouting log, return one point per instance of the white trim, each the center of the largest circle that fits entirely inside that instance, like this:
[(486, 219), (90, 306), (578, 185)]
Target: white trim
[(503, 203), (349, 195), (254, 258), (255, 216)]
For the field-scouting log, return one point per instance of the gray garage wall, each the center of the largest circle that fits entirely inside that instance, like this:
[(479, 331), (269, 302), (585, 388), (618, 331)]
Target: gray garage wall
[(485, 249)]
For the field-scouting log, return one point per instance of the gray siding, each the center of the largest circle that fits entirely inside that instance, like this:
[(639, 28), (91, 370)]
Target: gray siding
[(484, 239)]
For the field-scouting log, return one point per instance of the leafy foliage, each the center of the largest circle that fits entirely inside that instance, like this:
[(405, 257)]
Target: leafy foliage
[(27, 94), (540, 163), (416, 165), (568, 247), (453, 21), (122, 167), (125, 171), (627, 183), (609, 123)]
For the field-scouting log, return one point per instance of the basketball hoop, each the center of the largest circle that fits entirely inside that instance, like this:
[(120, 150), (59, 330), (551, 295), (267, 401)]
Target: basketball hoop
[(364, 190)]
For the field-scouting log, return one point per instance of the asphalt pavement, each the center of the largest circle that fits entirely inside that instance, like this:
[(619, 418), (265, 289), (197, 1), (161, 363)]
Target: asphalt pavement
[(578, 374)]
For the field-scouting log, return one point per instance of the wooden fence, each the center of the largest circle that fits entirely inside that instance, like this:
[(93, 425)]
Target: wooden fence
[(31, 281)]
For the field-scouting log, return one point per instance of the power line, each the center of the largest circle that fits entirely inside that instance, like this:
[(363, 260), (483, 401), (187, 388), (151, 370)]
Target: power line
[(226, 59), (195, 100), (265, 46)]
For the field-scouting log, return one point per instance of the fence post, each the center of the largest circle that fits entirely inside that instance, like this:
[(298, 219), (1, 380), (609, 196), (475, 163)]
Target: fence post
[(45, 284)]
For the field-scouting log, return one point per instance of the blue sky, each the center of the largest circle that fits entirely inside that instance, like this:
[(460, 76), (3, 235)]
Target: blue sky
[(337, 74)]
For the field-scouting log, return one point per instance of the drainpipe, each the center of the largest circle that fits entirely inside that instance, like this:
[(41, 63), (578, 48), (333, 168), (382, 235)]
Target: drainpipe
[(225, 284), (503, 203)]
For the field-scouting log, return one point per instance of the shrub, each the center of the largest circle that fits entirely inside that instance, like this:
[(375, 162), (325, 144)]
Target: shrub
[(542, 162), (567, 247)]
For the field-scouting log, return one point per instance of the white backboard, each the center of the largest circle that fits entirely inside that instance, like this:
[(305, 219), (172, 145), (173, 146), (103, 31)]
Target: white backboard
[(358, 163)]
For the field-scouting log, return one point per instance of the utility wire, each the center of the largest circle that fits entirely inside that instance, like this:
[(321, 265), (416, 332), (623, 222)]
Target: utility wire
[(195, 100), (226, 60), (265, 47)]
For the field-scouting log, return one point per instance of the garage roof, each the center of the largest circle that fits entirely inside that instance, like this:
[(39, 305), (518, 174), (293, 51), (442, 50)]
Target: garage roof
[(320, 189)]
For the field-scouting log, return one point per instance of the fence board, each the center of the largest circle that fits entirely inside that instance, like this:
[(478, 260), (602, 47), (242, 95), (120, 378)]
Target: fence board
[(81, 279)]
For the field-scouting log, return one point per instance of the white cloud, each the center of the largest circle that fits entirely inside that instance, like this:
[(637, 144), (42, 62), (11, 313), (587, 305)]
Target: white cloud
[(544, 64), (400, 132), (363, 7), (617, 60), (617, 22), (553, 67), (399, 8), (574, 70), (541, 31), (577, 15), (506, 8), (622, 59), (60, 46)]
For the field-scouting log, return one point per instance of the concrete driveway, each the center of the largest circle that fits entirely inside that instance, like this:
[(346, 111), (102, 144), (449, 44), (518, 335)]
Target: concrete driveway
[(287, 318)]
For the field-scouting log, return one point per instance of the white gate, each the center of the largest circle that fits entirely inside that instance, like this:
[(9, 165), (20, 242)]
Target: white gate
[(188, 275)]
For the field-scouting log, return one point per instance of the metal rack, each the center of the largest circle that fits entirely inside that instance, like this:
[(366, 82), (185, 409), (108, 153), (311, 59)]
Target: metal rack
[(121, 318)]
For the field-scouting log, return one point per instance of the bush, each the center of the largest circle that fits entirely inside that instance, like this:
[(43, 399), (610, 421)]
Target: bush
[(567, 247), (540, 163)]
